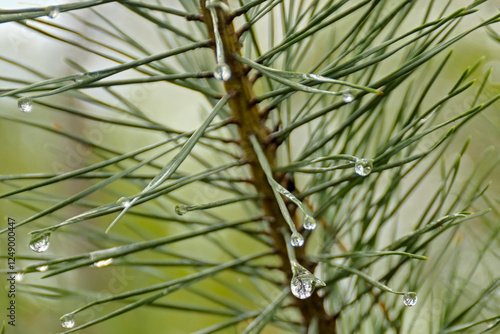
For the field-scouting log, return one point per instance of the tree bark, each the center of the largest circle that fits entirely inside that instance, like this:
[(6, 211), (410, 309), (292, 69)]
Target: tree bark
[(249, 121)]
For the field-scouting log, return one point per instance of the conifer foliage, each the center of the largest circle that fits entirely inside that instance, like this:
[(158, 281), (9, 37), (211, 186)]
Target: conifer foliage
[(320, 191)]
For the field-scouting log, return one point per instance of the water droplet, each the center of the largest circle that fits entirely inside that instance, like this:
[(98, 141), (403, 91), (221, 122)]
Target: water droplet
[(67, 321), (103, 263), (426, 118), (363, 167), (93, 75), (19, 277), (42, 268), (222, 72), (296, 240), (124, 202), (347, 97), (180, 209), (303, 282), (493, 323), (309, 223), (40, 243), (79, 78), (410, 299), (302, 288), (53, 12), (25, 104)]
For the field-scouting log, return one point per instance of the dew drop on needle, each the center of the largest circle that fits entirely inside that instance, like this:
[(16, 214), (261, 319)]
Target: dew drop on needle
[(180, 209), (222, 72), (302, 288), (103, 263), (410, 299), (296, 240), (123, 202), (347, 97), (309, 223), (43, 268), (67, 321), (303, 282), (363, 167), (53, 12), (40, 243), (25, 104)]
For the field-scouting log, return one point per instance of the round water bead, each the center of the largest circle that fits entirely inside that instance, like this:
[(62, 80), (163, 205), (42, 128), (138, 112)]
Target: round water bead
[(347, 97), (25, 104), (123, 201), (43, 268), (180, 209), (103, 263), (222, 72), (296, 240), (302, 287), (410, 299), (363, 167), (53, 12), (67, 321), (40, 243), (493, 323), (309, 223)]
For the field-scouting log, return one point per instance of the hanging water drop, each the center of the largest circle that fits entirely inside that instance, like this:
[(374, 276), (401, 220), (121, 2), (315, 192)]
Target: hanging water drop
[(40, 242), (103, 263), (302, 288), (180, 209), (123, 202), (303, 282), (25, 104), (222, 72), (493, 323), (53, 12), (309, 223), (67, 321), (296, 240), (347, 97), (19, 277), (363, 167), (42, 268), (410, 299)]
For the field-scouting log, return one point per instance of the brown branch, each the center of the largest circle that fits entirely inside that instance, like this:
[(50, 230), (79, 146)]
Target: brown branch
[(249, 120)]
